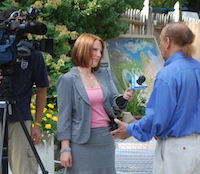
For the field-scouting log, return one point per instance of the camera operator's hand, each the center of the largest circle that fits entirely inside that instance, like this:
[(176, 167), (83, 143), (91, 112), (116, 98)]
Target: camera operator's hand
[(1, 77), (36, 134)]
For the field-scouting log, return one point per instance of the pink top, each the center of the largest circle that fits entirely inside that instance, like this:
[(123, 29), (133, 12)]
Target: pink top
[(99, 116)]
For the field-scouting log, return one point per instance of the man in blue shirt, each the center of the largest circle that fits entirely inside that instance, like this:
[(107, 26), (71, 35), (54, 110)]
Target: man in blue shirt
[(173, 110)]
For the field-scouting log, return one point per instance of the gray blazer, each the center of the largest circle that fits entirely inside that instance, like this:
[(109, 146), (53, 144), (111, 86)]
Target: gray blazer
[(74, 116)]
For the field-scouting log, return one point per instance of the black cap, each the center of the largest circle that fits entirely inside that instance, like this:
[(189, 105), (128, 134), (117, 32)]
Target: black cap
[(6, 14)]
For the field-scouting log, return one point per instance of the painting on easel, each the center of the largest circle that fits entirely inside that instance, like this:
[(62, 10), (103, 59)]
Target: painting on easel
[(132, 54)]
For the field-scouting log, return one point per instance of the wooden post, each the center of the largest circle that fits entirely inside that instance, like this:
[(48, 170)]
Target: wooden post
[(147, 10), (177, 14)]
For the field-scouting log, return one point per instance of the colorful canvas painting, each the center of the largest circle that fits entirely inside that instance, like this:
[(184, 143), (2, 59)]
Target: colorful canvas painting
[(129, 55)]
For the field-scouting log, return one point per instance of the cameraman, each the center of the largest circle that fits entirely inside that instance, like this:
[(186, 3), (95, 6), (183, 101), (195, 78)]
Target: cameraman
[(27, 71)]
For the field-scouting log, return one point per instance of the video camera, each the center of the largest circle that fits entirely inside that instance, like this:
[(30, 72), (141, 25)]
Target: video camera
[(13, 40), (15, 45)]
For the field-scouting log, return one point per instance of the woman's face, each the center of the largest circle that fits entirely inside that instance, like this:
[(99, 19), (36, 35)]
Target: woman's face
[(96, 53)]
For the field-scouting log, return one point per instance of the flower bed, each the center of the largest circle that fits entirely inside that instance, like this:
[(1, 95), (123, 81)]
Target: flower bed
[(48, 122)]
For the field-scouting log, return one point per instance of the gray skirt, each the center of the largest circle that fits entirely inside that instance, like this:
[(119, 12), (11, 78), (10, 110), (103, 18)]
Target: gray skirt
[(97, 156)]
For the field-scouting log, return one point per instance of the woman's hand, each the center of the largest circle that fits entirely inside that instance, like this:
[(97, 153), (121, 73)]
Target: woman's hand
[(129, 94), (66, 159)]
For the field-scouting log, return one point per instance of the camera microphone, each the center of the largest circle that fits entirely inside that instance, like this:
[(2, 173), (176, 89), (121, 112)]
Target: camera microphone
[(33, 28)]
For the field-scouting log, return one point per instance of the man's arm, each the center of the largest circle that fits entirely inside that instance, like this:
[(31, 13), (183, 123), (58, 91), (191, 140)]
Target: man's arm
[(120, 133), (40, 104)]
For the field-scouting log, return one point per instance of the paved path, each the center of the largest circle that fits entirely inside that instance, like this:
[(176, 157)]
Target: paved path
[(133, 157)]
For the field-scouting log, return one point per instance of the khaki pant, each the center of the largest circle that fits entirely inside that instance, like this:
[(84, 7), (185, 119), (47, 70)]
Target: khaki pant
[(21, 158), (177, 155)]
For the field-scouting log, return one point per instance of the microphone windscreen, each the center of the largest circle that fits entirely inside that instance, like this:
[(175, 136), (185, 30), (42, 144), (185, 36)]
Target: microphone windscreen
[(141, 80), (128, 77), (33, 28)]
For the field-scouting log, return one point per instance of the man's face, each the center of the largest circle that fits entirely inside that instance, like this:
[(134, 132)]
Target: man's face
[(163, 45), (17, 16)]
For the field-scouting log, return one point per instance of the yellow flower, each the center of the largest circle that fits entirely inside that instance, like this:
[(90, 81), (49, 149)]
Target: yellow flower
[(48, 126), (55, 118), (48, 115), (44, 110), (51, 111), (50, 106), (33, 112), (32, 106), (44, 118), (49, 119)]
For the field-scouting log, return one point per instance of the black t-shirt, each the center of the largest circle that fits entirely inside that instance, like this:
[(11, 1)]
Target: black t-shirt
[(27, 72)]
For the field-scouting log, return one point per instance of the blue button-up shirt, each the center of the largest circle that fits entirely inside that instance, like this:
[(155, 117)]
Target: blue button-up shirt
[(174, 105)]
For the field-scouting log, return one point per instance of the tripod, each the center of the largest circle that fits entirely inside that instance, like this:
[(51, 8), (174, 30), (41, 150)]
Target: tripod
[(7, 106)]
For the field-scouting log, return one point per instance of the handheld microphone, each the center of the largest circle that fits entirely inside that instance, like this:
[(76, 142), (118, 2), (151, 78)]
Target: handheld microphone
[(33, 28), (140, 80), (137, 83)]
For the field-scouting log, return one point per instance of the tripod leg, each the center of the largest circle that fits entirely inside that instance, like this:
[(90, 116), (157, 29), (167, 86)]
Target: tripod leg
[(4, 141), (30, 140)]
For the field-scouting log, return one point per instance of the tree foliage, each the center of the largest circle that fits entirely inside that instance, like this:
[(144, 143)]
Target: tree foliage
[(100, 17), (138, 4), (167, 3), (66, 20)]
